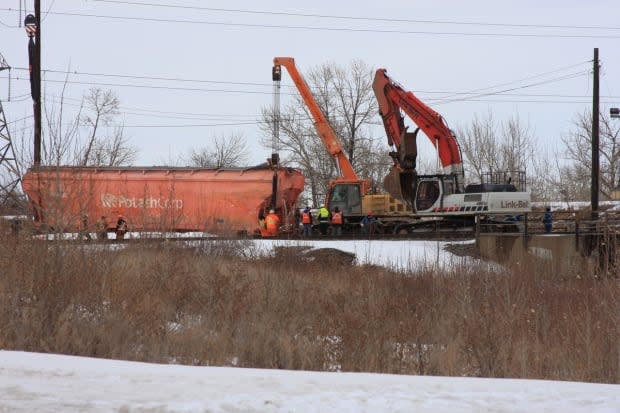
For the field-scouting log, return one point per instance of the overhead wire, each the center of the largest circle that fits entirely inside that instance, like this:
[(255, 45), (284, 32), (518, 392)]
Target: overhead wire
[(144, 77), (499, 92), (159, 114), (20, 119), (48, 10), (561, 69), (8, 25), (156, 87), (336, 29), (341, 17), (444, 99)]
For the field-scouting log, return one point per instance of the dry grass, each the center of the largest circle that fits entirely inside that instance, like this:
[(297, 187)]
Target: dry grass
[(217, 306)]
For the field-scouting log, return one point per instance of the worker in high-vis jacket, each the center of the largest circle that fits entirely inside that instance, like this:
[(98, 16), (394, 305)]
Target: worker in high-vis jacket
[(272, 223), (337, 222), (324, 216), (306, 221)]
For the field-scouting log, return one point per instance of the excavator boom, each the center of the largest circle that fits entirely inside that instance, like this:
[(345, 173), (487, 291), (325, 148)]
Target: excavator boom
[(321, 124), (391, 98)]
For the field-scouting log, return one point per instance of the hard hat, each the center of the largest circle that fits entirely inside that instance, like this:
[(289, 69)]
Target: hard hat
[(271, 211), (322, 205)]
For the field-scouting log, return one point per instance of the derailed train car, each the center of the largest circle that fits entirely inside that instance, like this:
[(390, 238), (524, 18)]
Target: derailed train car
[(219, 201)]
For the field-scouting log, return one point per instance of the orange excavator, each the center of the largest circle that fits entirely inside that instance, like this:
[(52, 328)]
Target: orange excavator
[(350, 193), (443, 194)]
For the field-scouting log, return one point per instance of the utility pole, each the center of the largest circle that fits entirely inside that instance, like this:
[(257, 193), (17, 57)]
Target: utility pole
[(595, 138), (32, 25), (276, 76)]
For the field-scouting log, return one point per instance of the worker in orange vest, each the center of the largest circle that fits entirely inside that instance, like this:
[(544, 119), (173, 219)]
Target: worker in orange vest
[(272, 222), (336, 222), (306, 220)]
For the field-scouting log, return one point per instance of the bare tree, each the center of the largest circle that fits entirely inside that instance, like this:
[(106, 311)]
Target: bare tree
[(490, 147), (113, 151), (356, 104), (61, 136), (579, 153), (224, 152), (345, 97), (479, 143), (102, 108), (63, 142), (518, 148)]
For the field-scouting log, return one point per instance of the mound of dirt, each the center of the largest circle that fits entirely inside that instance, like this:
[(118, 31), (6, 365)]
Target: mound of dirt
[(331, 256), (463, 250)]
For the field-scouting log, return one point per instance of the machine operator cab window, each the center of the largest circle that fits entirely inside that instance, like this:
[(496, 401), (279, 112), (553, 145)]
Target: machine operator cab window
[(427, 194), (347, 197)]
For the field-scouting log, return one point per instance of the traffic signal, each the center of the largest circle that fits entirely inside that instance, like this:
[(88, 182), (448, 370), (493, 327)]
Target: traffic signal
[(614, 112)]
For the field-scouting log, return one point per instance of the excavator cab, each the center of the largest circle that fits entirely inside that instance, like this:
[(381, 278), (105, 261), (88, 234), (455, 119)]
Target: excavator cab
[(430, 191), (347, 197)]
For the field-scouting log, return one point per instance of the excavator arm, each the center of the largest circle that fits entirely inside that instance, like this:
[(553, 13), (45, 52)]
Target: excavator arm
[(392, 99), (321, 124)]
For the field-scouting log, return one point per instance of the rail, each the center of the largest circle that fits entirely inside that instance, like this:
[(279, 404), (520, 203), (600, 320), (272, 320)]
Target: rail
[(564, 222)]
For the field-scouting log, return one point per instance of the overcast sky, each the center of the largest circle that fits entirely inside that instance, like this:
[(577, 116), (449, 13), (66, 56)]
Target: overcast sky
[(186, 71)]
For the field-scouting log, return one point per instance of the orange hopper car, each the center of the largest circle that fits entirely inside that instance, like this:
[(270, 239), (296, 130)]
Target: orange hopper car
[(219, 201)]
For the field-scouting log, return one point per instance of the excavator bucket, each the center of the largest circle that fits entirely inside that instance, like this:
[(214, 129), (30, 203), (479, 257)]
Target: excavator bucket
[(401, 185), (400, 182), (408, 149)]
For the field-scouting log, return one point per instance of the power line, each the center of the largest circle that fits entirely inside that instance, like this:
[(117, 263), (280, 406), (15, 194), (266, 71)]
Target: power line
[(561, 69), (8, 25), (334, 29), (143, 77), (129, 85), (436, 101), (445, 98), (569, 76), (198, 125), (341, 17), (20, 119), (160, 114)]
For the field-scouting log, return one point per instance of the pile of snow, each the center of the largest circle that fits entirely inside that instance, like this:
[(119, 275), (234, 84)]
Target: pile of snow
[(31, 382)]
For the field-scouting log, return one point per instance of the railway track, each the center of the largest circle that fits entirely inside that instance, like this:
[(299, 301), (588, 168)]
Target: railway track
[(137, 238)]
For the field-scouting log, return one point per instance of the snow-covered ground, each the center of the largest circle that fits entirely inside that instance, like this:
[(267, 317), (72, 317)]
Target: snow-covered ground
[(31, 382), (398, 255)]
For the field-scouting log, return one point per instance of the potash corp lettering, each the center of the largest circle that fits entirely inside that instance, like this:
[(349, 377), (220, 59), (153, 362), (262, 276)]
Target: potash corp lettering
[(149, 202)]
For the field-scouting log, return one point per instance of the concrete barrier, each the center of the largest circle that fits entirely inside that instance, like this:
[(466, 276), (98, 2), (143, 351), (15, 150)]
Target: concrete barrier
[(563, 253)]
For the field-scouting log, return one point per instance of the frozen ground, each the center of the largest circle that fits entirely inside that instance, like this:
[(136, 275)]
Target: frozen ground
[(399, 255)]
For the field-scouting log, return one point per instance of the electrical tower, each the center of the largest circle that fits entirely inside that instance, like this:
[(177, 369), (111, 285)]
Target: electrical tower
[(10, 176)]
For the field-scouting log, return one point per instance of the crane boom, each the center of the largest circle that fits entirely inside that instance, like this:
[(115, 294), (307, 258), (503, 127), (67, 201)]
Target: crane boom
[(322, 126)]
